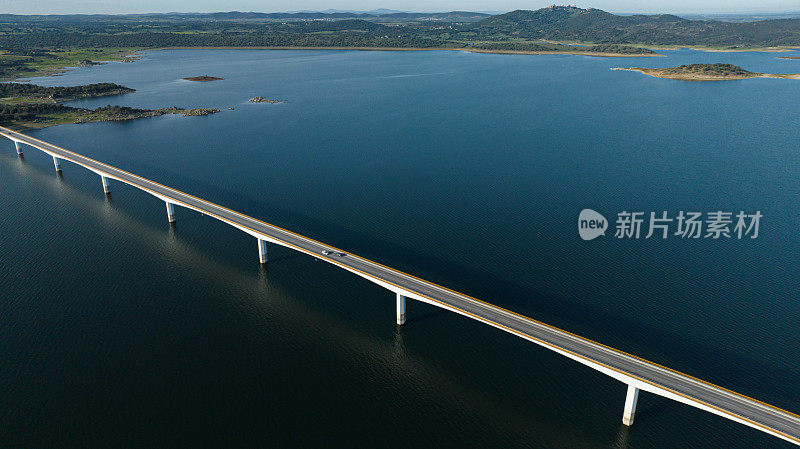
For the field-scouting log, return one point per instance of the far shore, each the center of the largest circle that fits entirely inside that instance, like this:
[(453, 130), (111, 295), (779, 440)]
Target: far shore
[(471, 50), (654, 47), (519, 52), (729, 50)]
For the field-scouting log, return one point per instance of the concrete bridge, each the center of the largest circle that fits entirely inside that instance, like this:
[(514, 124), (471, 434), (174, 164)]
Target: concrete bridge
[(637, 374)]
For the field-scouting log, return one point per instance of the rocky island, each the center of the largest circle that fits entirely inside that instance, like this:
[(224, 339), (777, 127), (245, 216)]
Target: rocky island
[(29, 106), (707, 72), (202, 78), (262, 100)]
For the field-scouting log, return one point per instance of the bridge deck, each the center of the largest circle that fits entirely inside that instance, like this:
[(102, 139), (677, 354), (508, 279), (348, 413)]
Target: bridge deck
[(624, 367)]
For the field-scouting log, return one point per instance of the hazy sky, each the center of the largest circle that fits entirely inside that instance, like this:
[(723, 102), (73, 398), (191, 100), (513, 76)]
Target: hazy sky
[(139, 6)]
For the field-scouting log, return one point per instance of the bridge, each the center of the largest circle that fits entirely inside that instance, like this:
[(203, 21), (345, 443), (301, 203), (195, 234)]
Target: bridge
[(636, 373)]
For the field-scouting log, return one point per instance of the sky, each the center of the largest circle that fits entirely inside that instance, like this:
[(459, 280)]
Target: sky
[(619, 6)]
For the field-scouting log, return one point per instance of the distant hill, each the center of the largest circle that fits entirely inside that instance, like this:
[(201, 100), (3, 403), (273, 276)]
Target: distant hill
[(381, 14), (375, 15), (752, 17), (383, 11), (452, 16), (310, 15), (374, 12), (569, 23)]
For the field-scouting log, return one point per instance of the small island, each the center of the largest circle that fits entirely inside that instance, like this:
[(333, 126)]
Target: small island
[(707, 72), (202, 78), (262, 100), (29, 106), (788, 57)]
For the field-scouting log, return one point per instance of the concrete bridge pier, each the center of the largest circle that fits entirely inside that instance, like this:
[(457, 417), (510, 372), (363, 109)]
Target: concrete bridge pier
[(18, 146), (401, 309), (630, 405), (170, 212), (57, 163), (106, 187), (262, 251)]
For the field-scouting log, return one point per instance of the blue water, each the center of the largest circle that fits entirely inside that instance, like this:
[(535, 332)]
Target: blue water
[(465, 169)]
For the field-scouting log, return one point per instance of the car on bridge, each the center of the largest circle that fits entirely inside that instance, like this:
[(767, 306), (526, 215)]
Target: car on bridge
[(326, 252)]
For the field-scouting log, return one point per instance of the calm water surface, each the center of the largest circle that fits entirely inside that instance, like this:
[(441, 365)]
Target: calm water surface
[(469, 170)]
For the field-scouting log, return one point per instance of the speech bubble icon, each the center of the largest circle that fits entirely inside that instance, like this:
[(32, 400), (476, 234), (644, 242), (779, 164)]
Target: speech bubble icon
[(591, 224)]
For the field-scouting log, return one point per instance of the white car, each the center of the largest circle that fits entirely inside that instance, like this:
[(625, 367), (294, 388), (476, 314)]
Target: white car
[(326, 252)]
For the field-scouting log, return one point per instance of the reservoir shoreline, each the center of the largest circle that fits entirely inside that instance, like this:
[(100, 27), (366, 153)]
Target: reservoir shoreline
[(471, 50)]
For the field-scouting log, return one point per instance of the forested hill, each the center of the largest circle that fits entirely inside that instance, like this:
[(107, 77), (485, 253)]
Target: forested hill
[(568, 23)]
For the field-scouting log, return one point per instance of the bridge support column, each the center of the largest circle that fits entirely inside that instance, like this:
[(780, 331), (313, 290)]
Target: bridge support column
[(262, 251), (630, 405), (170, 212), (57, 163), (401, 309), (106, 187), (18, 146)]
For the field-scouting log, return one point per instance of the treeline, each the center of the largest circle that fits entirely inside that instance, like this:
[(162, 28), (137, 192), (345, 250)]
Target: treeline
[(545, 47), (315, 26), (13, 66), (29, 111), (61, 93), (620, 49), (710, 69), (119, 112), (286, 36), (57, 39)]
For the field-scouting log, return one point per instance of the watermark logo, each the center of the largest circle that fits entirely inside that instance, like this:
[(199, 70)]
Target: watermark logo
[(686, 225), (591, 224)]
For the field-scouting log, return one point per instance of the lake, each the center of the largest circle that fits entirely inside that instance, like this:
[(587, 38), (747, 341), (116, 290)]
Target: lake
[(468, 170)]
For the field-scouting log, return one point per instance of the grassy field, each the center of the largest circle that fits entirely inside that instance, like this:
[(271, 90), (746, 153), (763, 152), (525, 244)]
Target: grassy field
[(104, 114), (46, 120), (25, 100), (57, 61)]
